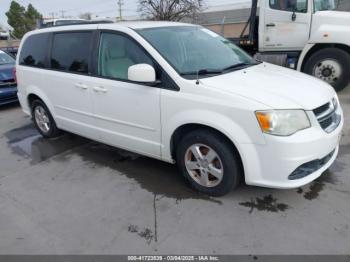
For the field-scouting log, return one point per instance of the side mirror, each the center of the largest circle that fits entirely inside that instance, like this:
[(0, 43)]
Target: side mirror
[(142, 73), (294, 7)]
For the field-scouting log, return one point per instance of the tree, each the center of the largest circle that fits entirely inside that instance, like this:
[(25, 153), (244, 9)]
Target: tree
[(22, 20), (170, 10), (16, 19), (86, 16), (31, 17)]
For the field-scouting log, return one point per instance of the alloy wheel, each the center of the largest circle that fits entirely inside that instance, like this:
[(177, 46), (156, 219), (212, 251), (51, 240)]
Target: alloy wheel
[(204, 165), (42, 119)]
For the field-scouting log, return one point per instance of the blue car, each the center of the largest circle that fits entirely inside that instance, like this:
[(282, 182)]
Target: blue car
[(8, 85)]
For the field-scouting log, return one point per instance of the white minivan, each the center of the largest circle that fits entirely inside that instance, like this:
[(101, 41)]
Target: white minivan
[(182, 94)]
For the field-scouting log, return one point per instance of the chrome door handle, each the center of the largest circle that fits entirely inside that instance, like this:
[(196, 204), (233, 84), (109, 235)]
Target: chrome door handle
[(81, 86), (270, 25), (98, 89)]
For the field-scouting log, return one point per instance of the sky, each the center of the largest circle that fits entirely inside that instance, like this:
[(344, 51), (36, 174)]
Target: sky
[(101, 8)]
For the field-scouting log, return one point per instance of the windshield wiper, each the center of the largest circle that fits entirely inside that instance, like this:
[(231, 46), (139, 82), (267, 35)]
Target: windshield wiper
[(220, 71), (239, 66), (203, 72)]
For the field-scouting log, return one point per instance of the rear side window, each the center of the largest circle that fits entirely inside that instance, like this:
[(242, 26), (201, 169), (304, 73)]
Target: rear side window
[(34, 51), (71, 52)]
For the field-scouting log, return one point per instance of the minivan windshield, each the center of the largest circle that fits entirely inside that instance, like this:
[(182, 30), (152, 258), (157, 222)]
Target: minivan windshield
[(324, 5), (193, 50), (6, 59)]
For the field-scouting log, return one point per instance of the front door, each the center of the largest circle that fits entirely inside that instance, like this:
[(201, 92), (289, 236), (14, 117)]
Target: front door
[(286, 25), (127, 113)]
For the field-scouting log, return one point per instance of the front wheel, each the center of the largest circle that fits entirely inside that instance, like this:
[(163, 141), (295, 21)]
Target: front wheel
[(330, 65), (208, 162)]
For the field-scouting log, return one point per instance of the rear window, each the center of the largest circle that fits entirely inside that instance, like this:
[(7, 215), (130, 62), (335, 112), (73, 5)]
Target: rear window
[(34, 51), (71, 52)]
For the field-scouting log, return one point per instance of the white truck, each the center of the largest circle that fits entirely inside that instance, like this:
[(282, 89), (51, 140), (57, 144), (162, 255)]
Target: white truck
[(307, 35), (4, 35)]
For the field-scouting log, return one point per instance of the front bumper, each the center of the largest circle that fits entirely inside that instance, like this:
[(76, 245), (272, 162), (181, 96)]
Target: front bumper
[(272, 164), (8, 95)]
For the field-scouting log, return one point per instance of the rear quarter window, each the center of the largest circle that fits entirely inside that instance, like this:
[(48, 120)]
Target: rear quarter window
[(71, 52), (34, 51)]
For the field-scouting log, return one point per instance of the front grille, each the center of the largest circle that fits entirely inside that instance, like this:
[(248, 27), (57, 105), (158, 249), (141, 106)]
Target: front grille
[(310, 167), (327, 116), (321, 109)]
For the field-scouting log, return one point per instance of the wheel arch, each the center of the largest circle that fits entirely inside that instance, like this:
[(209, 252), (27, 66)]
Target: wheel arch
[(309, 51), (35, 93), (189, 127)]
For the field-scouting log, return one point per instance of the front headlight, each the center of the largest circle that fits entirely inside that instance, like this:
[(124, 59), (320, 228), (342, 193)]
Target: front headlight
[(282, 122)]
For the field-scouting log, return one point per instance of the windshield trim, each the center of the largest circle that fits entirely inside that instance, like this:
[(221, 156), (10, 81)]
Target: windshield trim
[(188, 76)]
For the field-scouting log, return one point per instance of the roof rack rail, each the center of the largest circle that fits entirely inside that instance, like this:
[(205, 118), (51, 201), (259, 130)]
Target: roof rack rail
[(72, 22)]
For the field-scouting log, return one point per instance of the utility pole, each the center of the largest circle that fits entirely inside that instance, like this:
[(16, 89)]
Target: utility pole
[(52, 14), (120, 4), (62, 13)]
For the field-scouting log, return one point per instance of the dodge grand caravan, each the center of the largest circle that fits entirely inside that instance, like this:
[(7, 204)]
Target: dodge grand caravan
[(182, 94)]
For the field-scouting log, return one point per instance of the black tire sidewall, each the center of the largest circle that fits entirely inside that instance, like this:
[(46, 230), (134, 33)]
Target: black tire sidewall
[(54, 131), (231, 177), (337, 54)]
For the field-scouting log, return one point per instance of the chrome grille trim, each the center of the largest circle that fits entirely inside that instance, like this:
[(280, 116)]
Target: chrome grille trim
[(327, 116)]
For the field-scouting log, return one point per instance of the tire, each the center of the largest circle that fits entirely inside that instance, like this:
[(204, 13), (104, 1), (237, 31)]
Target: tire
[(327, 61), (227, 161), (49, 131)]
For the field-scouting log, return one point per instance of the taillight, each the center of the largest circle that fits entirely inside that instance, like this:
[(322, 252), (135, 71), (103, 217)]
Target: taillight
[(14, 72)]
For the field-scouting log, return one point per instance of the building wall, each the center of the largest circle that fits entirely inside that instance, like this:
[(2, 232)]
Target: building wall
[(231, 30), (9, 43), (229, 23), (344, 5)]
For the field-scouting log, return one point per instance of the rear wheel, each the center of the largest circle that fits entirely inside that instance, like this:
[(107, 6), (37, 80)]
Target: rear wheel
[(43, 120), (330, 65), (208, 162)]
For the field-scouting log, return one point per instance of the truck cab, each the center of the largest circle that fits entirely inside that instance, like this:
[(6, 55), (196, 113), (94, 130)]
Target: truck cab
[(307, 35), (4, 35)]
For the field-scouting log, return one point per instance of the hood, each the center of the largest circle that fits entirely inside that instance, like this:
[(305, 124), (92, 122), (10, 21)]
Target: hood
[(274, 86), (6, 72)]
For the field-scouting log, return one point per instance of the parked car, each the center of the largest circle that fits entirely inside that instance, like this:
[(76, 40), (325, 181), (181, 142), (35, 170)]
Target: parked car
[(8, 86), (182, 94)]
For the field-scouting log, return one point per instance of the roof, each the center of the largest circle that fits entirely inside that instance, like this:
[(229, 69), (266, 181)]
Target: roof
[(131, 24), (148, 24)]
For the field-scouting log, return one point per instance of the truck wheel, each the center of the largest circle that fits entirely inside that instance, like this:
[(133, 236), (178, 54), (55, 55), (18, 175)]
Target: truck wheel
[(330, 65), (43, 120), (208, 162)]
